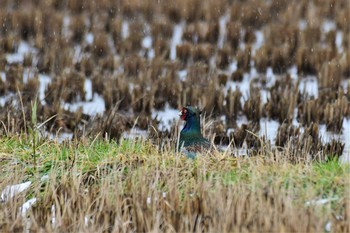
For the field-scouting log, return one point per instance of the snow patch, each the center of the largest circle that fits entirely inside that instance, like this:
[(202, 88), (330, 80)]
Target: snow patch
[(328, 25), (293, 72), (320, 201), (135, 133), (11, 190), (309, 85), (345, 158), (269, 129), (147, 42), (125, 29), (166, 117), (302, 24), (182, 75), (88, 89), (53, 214), (89, 38), (44, 80), (339, 41), (23, 49), (93, 107), (259, 35), (61, 137), (3, 76), (26, 206), (222, 29), (176, 39)]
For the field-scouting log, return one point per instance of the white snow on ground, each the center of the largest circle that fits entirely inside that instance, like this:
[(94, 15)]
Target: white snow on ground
[(293, 72), (325, 135), (339, 41), (147, 42), (182, 75), (4, 99), (53, 214), (302, 24), (11, 190), (125, 29), (259, 35), (151, 54), (345, 158), (61, 136), (328, 226), (270, 77), (242, 86), (97, 105), (93, 105), (88, 89), (44, 177), (77, 54), (135, 133), (23, 49), (264, 96), (26, 206), (309, 85), (320, 201), (240, 121), (166, 116), (28, 74), (65, 28), (232, 67), (176, 39), (222, 29), (269, 129), (3, 76), (345, 84), (89, 38), (45, 80), (14, 58), (328, 25)]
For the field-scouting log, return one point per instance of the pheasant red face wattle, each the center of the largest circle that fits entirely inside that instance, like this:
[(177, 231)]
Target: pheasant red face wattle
[(183, 114)]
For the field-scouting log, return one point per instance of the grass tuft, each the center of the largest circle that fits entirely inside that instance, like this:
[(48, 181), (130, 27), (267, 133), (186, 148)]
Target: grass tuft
[(104, 185)]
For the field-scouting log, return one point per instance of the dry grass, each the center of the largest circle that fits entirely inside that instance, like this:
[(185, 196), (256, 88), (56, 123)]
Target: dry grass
[(104, 186), (130, 186)]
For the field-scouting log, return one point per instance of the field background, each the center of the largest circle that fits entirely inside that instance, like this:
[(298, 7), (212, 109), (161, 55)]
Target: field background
[(89, 92)]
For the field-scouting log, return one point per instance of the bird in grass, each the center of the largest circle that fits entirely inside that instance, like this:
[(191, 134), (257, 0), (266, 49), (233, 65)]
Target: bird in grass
[(191, 140)]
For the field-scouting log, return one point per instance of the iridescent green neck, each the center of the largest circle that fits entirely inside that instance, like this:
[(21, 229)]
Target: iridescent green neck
[(191, 132)]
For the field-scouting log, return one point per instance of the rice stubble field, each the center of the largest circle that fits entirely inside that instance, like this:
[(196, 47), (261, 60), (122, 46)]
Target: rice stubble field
[(88, 99)]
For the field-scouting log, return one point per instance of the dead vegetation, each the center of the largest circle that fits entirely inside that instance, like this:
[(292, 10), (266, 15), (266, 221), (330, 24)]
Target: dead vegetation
[(126, 49), (126, 199), (103, 186)]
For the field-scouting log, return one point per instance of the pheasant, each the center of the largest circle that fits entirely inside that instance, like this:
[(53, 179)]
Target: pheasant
[(191, 140)]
